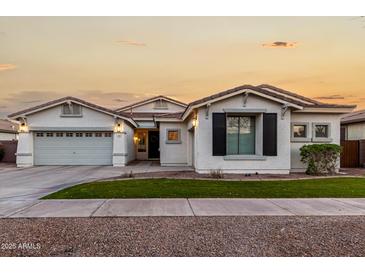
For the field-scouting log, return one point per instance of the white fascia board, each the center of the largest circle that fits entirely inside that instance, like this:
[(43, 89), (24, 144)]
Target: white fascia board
[(79, 103), (324, 110), (150, 101), (169, 120), (250, 91)]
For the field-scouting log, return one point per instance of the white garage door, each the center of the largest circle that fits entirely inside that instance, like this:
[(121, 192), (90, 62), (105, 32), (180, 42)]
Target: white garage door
[(73, 148)]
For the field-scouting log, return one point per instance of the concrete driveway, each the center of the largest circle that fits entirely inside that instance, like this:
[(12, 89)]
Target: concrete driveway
[(21, 187)]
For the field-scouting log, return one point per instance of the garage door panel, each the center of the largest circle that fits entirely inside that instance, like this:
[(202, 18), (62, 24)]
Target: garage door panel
[(73, 150)]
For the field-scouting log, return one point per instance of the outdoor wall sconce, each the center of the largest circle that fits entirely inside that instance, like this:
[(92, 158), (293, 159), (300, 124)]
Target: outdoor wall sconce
[(195, 122), (23, 126), (118, 127)]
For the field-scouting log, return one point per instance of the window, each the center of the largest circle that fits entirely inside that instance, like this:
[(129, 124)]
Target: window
[(173, 136), (299, 132), (79, 134), (321, 131), (69, 134), (49, 134), (39, 134), (71, 109), (161, 104), (59, 134), (141, 141), (107, 134), (98, 134), (241, 135), (88, 134)]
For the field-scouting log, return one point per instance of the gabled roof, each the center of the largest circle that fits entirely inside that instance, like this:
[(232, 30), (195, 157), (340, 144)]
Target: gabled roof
[(68, 99), (8, 127), (149, 100), (293, 99), (354, 117)]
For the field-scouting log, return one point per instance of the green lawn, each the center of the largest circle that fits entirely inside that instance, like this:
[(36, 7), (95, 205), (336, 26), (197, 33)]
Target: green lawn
[(186, 188)]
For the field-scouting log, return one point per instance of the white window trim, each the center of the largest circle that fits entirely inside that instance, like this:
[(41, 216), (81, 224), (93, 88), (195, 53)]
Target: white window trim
[(300, 139), (321, 140), (178, 141), (258, 138), (238, 157)]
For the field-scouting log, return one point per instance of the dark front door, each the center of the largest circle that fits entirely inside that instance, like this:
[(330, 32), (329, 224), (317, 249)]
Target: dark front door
[(153, 144)]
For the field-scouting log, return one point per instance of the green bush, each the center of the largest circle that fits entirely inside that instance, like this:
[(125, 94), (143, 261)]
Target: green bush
[(2, 153), (320, 158)]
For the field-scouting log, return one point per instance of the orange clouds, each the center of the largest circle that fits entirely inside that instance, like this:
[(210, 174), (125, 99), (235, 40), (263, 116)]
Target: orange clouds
[(7, 67), (280, 44), (131, 43)]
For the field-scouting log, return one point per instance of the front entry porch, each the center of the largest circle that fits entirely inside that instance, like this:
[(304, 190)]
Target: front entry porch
[(147, 144)]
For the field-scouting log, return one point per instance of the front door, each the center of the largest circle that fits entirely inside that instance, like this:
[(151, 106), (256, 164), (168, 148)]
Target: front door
[(153, 144)]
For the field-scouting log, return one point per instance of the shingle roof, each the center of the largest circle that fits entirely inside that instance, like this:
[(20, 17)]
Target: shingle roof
[(60, 100), (150, 100), (8, 127), (265, 89), (354, 117)]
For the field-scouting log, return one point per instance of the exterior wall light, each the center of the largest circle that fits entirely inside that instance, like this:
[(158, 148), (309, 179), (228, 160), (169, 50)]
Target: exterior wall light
[(136, 139), (118, 128), (23, 127), (195, 122)]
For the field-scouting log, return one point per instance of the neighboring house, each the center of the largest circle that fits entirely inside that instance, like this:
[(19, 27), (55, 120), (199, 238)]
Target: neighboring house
[(247, 129), (8, 130), (353, 139), (353, 126)]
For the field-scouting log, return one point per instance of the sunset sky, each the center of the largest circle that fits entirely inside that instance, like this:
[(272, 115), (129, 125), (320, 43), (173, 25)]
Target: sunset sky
[(113, 61)]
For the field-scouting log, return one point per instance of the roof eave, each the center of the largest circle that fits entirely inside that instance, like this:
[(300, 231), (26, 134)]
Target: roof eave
[(19, 114), (244, 90), (334, 109)]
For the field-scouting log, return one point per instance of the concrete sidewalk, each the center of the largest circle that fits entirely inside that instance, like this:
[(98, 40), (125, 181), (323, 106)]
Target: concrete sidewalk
[(188, 207)]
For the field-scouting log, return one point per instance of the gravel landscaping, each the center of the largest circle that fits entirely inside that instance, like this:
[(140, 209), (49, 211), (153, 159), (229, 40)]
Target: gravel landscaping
[(184, 236)]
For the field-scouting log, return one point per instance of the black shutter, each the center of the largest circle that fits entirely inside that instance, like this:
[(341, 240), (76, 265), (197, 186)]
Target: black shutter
[(270, 134), (219, 134)]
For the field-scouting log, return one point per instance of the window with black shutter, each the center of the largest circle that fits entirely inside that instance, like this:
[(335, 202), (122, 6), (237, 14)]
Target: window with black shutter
[(219, 134), (270, 134)]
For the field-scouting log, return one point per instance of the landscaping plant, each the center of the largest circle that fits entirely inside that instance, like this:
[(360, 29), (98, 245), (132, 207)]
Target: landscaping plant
[(320, 158)]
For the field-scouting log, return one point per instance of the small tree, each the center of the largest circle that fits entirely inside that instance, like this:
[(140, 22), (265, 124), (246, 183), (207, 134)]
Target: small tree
[(320, 158)]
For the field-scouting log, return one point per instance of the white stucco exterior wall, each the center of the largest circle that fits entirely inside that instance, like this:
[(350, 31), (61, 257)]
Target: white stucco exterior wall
[(24, 154), (130, 147), (173, 154), (310, 118), (91, 120), (50, 118), (356, 131), (205, 161)]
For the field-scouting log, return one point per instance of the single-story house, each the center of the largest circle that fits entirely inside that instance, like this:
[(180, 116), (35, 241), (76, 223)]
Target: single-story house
[(246, 129), (353, 126), (8, 130)]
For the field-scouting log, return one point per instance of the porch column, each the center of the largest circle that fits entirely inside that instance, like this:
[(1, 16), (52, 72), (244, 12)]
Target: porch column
[(120, 150), (24, 153)]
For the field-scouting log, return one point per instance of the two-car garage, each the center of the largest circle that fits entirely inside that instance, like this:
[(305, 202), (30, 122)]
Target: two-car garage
[(73, 148)]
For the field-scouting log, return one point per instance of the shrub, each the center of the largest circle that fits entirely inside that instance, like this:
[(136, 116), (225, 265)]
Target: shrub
[(320, 158), (2, 153), (216, 174)]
